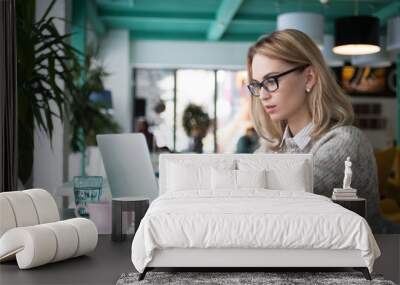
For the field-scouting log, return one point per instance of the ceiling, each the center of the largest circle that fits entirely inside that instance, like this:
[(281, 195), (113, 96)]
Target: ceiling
[(220, 20)]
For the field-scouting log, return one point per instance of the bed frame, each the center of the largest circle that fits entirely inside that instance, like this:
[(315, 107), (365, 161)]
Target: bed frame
[(248, 259)]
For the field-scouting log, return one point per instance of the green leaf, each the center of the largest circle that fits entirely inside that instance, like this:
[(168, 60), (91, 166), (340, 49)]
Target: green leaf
[(47, 11)]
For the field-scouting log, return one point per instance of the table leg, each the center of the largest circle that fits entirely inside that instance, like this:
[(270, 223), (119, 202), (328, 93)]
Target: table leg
[(116, 222)]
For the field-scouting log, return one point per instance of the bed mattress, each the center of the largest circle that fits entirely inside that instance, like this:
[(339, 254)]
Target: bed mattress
[(250, 219)]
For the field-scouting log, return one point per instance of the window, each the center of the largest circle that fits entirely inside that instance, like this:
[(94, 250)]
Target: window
[(233, 109), (222, 94), (154, 100), (196, 87)]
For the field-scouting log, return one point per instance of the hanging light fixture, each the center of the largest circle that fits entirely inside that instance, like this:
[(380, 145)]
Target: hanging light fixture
[(393, 34), (311, 24), (356, 35), (331, 58), (379, 59)]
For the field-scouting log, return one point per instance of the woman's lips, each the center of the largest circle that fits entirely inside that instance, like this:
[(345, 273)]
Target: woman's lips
[(270, 108)]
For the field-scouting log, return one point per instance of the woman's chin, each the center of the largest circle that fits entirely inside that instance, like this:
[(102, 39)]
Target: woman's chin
[(275, 117)]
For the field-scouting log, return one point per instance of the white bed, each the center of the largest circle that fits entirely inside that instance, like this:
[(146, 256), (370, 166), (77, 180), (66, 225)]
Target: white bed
[(247, 211)]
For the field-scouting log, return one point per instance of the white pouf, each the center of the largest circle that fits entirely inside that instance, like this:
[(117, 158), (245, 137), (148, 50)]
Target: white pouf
[(31, 233)]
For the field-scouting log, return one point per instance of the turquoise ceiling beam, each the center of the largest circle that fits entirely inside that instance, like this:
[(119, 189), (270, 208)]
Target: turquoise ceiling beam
[(251, 27), (173, 35), (156, 25), (241, 20), (94, 19), (158, 14), (225, 14), (195, 6), (239, 37), (335, 8), (250, 22), (78, 26), (162, 25), (154, 20), (178, 35), (388, 11)]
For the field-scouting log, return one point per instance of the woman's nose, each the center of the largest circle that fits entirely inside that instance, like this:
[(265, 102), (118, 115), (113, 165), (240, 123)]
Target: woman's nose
[(264, 94)]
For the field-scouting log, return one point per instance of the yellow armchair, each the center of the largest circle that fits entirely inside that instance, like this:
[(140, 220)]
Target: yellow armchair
[(390, 210), (389, 187), (384, 162), (393, 183)]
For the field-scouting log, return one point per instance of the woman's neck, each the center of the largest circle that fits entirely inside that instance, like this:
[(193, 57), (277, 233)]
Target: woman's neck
[(298, 121)]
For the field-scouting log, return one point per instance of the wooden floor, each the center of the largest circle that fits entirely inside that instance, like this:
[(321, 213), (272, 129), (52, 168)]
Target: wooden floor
[(103, 266), (389, 262), (111, 259)]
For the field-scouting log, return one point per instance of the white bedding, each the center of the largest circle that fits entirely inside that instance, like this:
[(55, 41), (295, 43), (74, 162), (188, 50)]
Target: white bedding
[(251, 218)]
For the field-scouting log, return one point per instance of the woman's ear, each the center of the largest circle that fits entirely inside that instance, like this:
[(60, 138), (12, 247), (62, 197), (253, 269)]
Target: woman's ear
[(311, 78)]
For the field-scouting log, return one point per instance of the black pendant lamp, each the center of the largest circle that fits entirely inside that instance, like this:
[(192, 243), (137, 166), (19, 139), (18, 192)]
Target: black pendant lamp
[(356, 35)]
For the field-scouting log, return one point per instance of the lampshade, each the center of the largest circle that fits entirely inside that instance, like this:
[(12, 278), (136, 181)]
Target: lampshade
[(356, 35), (309, 23), (331, 58), (393, 34), (379, 59)]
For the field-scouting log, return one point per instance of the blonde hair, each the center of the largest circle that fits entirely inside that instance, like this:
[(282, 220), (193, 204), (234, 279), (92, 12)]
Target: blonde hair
[(328, 105)]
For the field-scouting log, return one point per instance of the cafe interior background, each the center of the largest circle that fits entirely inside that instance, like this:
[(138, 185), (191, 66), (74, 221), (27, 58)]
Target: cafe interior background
[(175, 70)]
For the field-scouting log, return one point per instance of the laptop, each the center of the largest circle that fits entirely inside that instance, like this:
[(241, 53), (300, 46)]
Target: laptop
[(128, 166)]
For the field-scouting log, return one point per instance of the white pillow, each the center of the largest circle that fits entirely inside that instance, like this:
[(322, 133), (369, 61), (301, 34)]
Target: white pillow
[(182, 177), (226, 179), (282, 174), (293, 179), (251, 178), (223, 179), (192, 174)]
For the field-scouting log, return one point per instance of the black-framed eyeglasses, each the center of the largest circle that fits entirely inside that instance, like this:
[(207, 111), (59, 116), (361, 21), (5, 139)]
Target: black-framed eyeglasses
[(270, 83)]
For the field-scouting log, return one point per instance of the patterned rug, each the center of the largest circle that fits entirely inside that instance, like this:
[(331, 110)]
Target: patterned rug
[(229, 278)]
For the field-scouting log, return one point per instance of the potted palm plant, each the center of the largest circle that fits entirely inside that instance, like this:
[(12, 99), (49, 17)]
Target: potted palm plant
[(45, 79), (53, 83), (89, 117)]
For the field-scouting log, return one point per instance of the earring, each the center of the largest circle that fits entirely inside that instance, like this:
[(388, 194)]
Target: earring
[(307, 90)]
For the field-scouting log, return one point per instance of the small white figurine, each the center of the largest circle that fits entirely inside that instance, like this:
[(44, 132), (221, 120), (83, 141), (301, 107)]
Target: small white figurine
[(347, 192), (347, 174)]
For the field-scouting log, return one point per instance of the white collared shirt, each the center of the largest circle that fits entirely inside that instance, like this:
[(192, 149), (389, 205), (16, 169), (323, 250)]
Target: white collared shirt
[(301, 139)]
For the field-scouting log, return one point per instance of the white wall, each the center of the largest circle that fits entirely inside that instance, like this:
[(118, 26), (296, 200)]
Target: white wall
[(114, 52), (48, 161), (188, 54)]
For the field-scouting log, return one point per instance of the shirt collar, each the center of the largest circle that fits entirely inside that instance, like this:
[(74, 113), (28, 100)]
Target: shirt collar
[(302, 138)]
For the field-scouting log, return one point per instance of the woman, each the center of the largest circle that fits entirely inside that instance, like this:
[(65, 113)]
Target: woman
[(298, 107)]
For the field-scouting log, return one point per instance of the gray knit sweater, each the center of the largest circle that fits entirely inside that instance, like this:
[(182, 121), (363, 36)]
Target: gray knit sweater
[(329, 153)]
